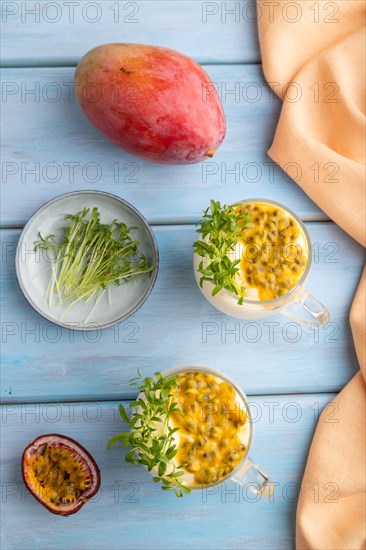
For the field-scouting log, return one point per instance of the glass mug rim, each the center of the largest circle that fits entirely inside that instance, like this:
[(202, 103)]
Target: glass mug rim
[(242, 395), (301, 281)]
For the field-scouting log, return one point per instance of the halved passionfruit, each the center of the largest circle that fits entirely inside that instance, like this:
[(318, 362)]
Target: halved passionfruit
[(60, 473)]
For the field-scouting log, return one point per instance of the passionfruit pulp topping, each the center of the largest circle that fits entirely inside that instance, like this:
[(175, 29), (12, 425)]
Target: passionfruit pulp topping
[(60, 473)]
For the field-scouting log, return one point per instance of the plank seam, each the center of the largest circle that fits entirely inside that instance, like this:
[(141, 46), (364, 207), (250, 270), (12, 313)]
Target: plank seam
[(10, 227), (250, 396), (71, 65)]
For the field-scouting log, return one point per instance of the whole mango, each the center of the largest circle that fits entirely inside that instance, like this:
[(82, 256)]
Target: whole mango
[(152, 102)]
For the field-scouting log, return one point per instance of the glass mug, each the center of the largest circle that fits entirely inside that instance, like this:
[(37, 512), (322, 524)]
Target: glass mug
[(297, 303), (247, 473)]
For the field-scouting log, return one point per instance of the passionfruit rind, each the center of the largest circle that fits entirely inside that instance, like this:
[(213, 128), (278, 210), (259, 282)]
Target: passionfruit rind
[(73, 470)]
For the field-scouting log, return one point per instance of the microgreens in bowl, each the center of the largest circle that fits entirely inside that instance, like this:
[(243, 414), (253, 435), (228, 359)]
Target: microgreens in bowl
[(89, 258), (150, 437), (221, 229)]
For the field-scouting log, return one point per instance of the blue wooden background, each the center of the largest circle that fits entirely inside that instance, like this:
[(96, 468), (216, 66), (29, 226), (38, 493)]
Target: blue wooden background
[(54, 380)]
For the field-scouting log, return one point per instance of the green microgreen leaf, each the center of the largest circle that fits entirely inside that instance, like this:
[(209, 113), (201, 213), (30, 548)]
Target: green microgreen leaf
[(123, 413)]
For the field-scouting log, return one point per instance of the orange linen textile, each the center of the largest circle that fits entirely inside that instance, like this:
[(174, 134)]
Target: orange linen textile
[(314, 58)]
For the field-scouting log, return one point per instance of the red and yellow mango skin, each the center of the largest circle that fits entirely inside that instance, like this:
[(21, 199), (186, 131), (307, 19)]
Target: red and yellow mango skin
[(152, 102)]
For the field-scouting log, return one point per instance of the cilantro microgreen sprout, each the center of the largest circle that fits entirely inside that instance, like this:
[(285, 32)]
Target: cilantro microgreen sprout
[(89, 258), (150, 436), (221, 228)]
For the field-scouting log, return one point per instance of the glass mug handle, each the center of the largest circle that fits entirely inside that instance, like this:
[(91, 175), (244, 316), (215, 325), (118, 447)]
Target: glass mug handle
[(256, 479), (313, 308)]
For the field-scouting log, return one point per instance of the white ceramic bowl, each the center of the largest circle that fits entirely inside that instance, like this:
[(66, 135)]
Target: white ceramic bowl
[(32, 268)]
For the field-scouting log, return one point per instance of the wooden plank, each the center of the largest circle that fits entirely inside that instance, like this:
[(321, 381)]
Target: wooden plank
[(207, 31), (49, 147), (130, 511), (177, 326)]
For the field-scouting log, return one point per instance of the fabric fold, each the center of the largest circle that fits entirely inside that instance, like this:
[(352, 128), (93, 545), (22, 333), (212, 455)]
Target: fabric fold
[(313, 57)]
